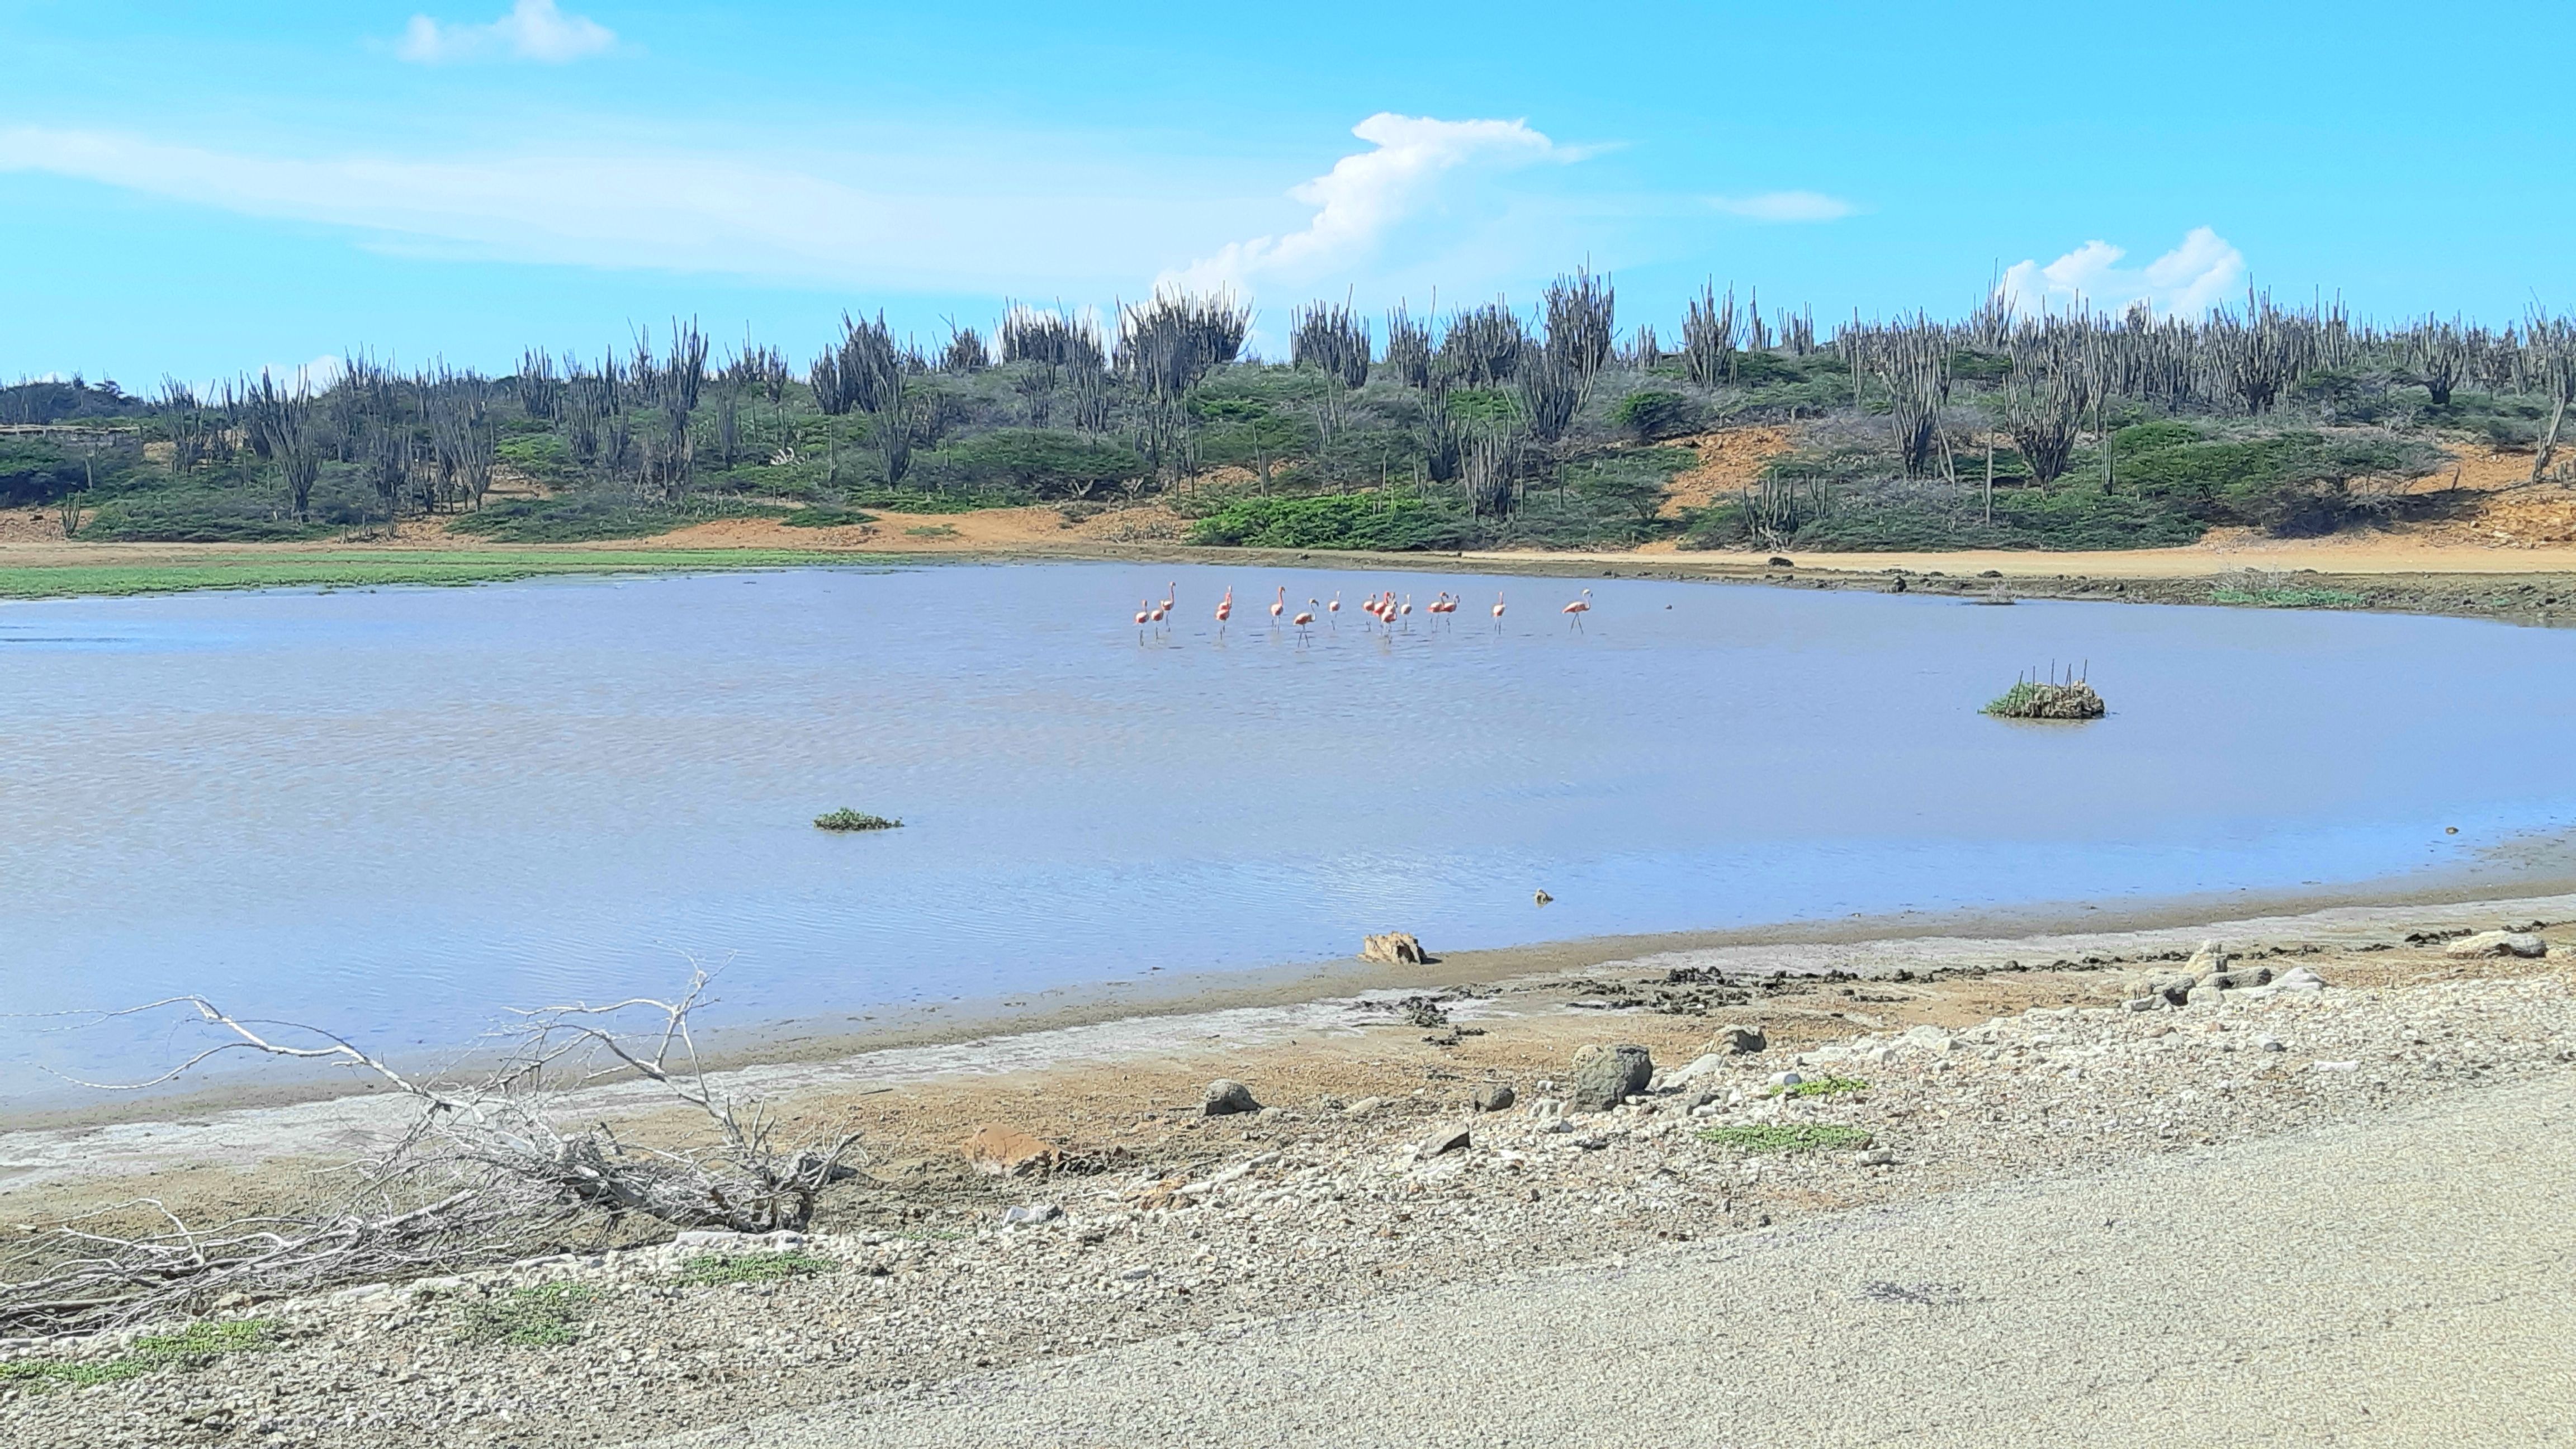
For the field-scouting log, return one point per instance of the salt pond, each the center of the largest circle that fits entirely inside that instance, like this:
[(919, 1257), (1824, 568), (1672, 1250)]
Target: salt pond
[(392, 812)]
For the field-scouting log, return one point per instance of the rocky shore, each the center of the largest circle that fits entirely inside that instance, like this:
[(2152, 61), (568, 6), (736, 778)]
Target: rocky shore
[(1666, 1104)]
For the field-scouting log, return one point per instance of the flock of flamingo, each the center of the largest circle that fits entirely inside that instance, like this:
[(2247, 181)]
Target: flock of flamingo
[(1383, 607)]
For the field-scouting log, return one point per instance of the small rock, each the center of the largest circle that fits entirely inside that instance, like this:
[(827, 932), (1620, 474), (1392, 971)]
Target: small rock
[(999, 1151), (1452, 1139), (1878, 1157), (2205, 996), (708, 1238), (1605, 1076), (1698, 1068), (1030, 1214), (1927, 1038), (2240, 978), (2498, 943), (1395, 948), (1738, 1041), (1225, 1097), (2210, 957), (2153, 1001), (2300, 978), (1784, 1079), (2334, 1066), (2269, 1044), (1493, 1097), (1364, 1106), (1547, 1108)]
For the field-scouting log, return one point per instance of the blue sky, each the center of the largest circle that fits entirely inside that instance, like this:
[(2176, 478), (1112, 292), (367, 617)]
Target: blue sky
[(196, 189)]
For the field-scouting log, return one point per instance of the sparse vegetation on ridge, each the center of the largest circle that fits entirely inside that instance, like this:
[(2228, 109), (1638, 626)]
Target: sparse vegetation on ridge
[(1489, 427)]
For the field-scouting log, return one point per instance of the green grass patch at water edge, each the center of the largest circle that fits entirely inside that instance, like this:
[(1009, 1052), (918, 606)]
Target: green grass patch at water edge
[(188, 1348), (355, 570), (716, 1269), (2286, 598), (1786, 1137)]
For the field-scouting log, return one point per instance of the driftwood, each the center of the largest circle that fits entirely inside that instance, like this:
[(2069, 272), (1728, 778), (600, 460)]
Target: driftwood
[(482, 1173)]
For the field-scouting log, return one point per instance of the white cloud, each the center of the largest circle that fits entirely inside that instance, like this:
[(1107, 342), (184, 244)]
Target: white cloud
[(1784, 206), (1413, 163), (965, 217), (2186, 282), (533, 30)]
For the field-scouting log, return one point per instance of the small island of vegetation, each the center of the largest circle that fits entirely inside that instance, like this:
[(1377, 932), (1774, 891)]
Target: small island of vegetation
[(847, 819)]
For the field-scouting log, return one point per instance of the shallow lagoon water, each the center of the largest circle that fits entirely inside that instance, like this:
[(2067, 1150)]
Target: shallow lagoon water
[(392, 812)]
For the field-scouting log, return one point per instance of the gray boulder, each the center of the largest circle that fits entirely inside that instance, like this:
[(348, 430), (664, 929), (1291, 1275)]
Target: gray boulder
[(1225, 1097), (2498, 943), (1605, 1076), (1494, 1097), (1737, 1041)]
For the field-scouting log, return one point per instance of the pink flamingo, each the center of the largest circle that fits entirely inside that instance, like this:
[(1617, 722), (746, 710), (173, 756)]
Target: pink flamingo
[(1225, 607), (1305, 617), (1498, 608), (1278, 606), (1579, 608), (1144, 616), (1335, 606)]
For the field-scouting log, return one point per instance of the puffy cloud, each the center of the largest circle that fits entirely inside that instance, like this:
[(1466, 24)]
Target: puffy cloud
[(2187, 281), (533, 30), (1784, 206), (1412, 163)]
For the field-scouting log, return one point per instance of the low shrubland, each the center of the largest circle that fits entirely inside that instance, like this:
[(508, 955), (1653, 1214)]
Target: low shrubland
[(1488, 428)]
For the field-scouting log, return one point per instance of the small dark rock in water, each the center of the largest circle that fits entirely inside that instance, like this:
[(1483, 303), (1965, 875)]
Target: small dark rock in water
[(1778, 562), (846, 819), (2048, 701), (1225, 1097)]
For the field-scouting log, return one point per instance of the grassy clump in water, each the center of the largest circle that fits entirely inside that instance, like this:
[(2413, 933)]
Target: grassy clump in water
[(847, 819), (2031, 699), (1786, 1137), (190, 1347), (543, 1315), (715, 1269)]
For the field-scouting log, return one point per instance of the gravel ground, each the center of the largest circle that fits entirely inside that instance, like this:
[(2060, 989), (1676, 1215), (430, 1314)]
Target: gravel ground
[(2402, 1281), (1316, 1206)]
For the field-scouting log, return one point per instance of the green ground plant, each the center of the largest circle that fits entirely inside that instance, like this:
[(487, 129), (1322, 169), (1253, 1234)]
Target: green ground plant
[(541, 1315), (1818, 1087), (718, 1269), (190, 1347), (1786, 1136)]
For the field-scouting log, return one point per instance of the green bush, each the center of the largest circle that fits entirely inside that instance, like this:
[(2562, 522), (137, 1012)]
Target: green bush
[(1653, 414), (826, 517), (595, 514), (1044, 462), (1336, 520)]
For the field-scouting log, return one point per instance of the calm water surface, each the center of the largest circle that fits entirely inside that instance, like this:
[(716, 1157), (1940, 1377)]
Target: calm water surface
[(392, 812)]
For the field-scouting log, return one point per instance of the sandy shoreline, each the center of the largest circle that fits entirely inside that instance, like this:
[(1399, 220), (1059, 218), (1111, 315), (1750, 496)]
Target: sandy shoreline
[(2367, 573), (978, 1064), (2520, 875)]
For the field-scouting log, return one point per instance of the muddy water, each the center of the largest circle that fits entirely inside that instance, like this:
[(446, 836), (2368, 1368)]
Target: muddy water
[(391, 812)]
